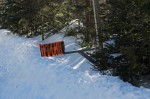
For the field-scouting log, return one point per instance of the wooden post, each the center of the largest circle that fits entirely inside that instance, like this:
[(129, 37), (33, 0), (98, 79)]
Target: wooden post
[(42, 28), (97, 22)]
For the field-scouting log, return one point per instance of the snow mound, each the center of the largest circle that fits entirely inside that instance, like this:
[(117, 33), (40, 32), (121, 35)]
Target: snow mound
[(26, 75)]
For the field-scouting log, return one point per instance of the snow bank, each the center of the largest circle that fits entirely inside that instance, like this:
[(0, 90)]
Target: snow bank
[(26, 75)]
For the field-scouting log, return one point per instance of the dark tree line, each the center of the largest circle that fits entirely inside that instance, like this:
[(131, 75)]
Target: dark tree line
[(25, 16), (37, 16), (129, 25)]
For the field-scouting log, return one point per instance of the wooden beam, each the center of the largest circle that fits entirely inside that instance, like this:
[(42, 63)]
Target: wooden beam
[(82, 52), (78, 51)]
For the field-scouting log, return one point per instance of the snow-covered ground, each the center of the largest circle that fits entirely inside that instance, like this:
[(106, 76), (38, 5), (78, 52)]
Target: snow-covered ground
[(24, 74)]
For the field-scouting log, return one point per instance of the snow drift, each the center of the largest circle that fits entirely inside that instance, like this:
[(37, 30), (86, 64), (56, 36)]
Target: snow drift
[(24, 74)]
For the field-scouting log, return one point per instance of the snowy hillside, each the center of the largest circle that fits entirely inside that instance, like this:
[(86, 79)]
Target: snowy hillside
[(24, 74)]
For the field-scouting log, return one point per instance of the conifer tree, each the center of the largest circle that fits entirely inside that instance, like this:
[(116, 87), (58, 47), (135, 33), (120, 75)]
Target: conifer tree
[(129, 23), (18, 16)]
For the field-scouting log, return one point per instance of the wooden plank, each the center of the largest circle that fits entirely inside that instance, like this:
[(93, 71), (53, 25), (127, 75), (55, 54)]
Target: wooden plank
[(89, 58), (82, 52), (77, 51)]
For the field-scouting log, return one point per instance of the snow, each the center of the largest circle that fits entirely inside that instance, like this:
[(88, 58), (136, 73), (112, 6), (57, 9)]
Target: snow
[(24, 74), (72, 25), (108, 43)]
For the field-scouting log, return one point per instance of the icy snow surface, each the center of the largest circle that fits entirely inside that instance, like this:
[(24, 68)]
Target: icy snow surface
[(26, 75)]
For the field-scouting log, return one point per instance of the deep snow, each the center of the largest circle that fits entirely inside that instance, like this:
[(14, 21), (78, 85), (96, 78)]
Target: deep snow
[(24, 74)]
